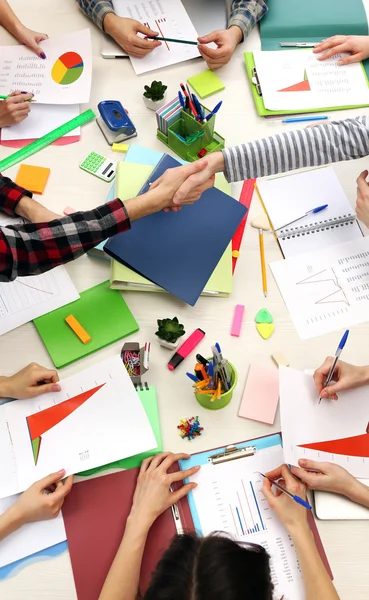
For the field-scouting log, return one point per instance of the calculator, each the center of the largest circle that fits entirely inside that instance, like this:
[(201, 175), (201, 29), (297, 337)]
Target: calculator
[(99, 165)]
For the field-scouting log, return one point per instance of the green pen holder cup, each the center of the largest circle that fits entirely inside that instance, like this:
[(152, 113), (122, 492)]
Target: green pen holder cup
[(205, 399), (186, 136)]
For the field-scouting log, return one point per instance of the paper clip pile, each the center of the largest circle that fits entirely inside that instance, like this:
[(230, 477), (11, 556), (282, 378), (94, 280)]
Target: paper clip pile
[(131, 361), (190, 428)]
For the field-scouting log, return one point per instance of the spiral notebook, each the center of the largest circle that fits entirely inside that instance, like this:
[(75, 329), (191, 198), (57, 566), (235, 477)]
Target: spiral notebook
[(289, 197)]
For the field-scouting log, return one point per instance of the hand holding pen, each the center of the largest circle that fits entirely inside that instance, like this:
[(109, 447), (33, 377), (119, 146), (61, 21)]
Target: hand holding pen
[(341, 346)]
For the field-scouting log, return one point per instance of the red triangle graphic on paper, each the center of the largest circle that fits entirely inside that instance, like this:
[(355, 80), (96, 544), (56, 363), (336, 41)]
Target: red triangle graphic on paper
[(302, 86), (352, 446)]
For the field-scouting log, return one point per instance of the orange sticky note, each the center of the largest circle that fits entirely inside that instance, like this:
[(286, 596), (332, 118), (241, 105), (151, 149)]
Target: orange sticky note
[(78, 329), (32, 178)]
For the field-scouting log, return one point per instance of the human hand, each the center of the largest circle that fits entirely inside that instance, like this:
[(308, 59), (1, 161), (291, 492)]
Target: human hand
[(208, 166), (152, 495), (325, 476), (14, 108), (43, 500), (31, 381), (226, 40), (31, 39), (345, 375), (165, 188), (125, 33), (290, 513), (362, 198), (358, 45)]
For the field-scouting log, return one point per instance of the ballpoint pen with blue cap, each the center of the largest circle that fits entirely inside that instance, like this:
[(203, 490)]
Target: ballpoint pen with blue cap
[(293, 496), (198, 108), (313, 211), (341, 346), (215, 110)]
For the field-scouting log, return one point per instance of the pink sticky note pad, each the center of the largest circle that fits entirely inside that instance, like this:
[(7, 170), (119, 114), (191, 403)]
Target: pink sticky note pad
[(261, 394), (237, 320)]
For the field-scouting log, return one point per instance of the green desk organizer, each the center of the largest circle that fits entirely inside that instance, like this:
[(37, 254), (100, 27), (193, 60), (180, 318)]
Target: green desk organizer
[(186, 136)]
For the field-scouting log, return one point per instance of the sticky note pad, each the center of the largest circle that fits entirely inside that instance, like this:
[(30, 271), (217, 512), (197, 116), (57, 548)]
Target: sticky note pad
[(120, 147), (206, 83), (32, 178), (78, 329), (261, 394)]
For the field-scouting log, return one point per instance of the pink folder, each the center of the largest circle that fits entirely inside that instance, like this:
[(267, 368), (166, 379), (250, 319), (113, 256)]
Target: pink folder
[(261, 394)]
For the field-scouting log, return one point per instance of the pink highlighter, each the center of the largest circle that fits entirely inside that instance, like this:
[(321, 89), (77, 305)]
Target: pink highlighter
[(186, 348)]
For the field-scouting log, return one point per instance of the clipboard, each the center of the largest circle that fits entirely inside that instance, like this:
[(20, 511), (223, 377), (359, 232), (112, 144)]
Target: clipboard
[(236, 452), (258, 98)]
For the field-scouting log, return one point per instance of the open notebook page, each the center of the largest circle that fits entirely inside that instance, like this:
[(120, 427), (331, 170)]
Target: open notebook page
[(287, 198)]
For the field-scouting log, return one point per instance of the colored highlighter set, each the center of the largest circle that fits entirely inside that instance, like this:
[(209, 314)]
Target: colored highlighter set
[(213, 377)]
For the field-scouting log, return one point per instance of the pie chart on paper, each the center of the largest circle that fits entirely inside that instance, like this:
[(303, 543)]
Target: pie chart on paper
[(67, 69)]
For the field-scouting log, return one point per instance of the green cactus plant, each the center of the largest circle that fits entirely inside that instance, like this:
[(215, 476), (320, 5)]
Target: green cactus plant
[(155, 91), (170, 330)]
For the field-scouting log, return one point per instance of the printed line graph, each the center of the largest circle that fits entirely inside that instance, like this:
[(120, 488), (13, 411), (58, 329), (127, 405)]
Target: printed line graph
[(328, 280), (25, 292)]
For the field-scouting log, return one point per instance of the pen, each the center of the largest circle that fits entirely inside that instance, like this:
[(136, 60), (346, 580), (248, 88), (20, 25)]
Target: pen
[(186, 348), (198, 107), (341, 346), (146, 356), (262, 260), (202, 360), (192, 377), (165, 39), (313, 211), (181, 100), (293, 496), (215, 110), (194, 112), (303, 119), (298, 44), (5, 97)]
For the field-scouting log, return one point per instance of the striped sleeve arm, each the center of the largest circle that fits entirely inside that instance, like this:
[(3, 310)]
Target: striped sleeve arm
[(311, 147)]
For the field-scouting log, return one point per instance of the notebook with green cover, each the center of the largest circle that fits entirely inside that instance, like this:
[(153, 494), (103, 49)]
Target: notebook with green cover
[(293, 21), (102, 312), (123, 278), (150, 403), (259, 102)]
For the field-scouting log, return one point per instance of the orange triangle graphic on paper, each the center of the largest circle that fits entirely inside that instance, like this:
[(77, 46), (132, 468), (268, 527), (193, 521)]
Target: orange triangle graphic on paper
[(302, 86), (357, 445)]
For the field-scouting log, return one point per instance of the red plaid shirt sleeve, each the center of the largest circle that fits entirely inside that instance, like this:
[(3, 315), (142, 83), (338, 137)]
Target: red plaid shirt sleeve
[(34, 248), (10, 195)]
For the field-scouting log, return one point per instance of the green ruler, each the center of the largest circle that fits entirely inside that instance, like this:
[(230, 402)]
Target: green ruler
[(46, 140)]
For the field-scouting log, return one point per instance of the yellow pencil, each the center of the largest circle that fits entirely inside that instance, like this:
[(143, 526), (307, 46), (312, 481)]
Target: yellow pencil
[(262, 260)]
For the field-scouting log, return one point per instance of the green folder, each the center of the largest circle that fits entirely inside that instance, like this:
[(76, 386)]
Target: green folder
[(130, 178), (259, 102), (294, 21), (150, 404), (102, 312)]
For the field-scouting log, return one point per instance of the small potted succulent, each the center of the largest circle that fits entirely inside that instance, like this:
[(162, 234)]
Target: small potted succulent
[(169, 332), (154, 95)]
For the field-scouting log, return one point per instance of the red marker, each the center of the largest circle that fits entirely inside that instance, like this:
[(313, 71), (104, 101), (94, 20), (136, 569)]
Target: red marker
[(186, 348)]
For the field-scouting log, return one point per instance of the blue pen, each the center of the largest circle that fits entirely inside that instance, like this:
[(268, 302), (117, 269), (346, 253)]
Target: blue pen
[(313, 211), (193, 377), (341, 346), (181, 99), (293, 496), (215, 110), (302, 119), (198, 108)]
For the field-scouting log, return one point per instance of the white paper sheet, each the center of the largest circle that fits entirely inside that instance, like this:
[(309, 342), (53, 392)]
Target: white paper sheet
[(326, 291), (288, 198), (64, 77), (42, 119), (228, 498), (26, 298), (30, 538), (305, 421), (111, 424), (320, 84), (170, 19)]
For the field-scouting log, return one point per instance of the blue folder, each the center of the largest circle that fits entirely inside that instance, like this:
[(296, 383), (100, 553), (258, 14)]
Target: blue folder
[(179, 250), (202, 459)]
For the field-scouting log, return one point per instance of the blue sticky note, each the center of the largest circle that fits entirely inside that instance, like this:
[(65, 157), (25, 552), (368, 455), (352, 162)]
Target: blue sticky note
[(145, 156)]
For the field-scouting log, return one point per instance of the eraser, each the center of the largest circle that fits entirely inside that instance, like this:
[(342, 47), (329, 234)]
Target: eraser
[(68, 210), (237, 320), (280, 359), (120, 147), (78, 329)]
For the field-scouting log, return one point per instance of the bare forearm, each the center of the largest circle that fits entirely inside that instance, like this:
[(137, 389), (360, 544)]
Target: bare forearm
[(122, 582), (8, 523), (316, 579), (359, 494), (8, 19)]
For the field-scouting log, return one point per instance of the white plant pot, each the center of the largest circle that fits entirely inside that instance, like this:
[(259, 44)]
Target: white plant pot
[(170, 345), (154, 105)]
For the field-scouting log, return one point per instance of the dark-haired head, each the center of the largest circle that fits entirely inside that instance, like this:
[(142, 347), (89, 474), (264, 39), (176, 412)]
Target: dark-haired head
[(211, 568)]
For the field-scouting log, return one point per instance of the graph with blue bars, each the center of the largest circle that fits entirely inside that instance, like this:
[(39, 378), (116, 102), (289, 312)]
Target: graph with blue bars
[(247, 510)]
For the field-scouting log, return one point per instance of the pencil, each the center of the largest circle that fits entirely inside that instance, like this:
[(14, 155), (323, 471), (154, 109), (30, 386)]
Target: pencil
[(262, 260), (165, 39)]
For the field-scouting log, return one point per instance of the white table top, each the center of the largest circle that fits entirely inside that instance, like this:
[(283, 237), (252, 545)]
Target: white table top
[(345, 542)]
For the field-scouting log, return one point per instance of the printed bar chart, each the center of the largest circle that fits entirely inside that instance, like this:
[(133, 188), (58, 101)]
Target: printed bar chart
[(246, 513)]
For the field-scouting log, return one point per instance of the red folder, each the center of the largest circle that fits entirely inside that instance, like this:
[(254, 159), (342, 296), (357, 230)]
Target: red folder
[(95, 514)]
